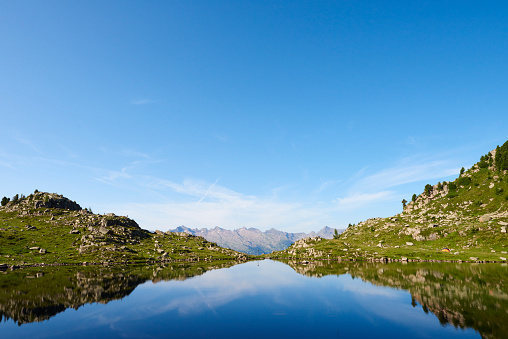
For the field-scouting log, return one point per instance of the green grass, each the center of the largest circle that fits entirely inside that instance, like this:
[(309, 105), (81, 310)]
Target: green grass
[(478, 192), (125, 243)]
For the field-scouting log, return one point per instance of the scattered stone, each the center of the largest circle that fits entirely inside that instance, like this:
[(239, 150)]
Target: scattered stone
[(104, 230), (74, 232), (503, 229), (42, 251), (403, 259), (485, 218), (473, 258), (502, 258), (409, 243), (502, 223), (35, 248), (419, 238)]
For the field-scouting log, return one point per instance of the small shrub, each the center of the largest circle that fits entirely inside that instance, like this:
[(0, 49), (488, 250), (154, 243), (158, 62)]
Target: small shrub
[(483, 164), (452, 186), (499, 190), (463, 181), (451, 195), (414, 198), (15, 198), (5, 201)]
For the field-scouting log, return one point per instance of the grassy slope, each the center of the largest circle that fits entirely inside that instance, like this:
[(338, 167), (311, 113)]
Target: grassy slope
[(124, 240), (445, 217)]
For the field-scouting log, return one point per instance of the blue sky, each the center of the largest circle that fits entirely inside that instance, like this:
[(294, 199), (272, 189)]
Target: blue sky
[(285, 114)]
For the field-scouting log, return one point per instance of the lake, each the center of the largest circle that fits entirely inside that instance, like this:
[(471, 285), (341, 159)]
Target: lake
[(257, 299)]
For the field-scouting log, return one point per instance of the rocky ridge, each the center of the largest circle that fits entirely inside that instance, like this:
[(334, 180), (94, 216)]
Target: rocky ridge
[(252, 240), (51, 229)]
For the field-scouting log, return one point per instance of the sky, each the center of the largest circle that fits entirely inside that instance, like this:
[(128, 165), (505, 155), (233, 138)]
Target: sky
[(287, 114)]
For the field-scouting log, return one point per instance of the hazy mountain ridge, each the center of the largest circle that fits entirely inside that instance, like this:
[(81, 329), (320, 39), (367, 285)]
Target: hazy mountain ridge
[(253, 240)]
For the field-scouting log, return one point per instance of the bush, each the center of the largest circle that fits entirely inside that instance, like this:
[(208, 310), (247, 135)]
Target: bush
[(463, 181), (451, 195), (15, 198), (5, 201), (483, 164), (499, 190), (414, 198), (452, 186)]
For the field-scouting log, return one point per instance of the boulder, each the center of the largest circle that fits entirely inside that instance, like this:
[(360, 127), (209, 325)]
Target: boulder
[(485, 218), (503, 229), (104, 230), (409, 243)]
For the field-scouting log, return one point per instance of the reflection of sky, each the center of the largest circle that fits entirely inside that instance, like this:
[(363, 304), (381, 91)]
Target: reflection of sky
[(265, 301)]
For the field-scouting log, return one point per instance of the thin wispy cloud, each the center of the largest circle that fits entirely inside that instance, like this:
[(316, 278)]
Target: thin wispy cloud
[(143, 101), (360, 199), (406, 172), (29, 143), (220, 137), (208, 190)]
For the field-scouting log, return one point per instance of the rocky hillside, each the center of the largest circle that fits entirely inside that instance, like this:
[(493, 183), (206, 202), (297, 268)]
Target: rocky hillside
[(49, 228), (462, 220), (252, 240)]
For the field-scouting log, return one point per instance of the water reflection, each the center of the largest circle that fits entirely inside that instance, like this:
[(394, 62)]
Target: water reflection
[(37, 294), (463, 295), (258, 299)]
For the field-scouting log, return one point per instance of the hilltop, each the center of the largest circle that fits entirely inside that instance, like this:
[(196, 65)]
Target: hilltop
[(252, 240), (462, 220), (51, 229)]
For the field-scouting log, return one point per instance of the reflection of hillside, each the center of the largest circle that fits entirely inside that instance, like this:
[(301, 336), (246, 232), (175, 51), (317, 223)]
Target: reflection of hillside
[(464, 295), (33, 295)]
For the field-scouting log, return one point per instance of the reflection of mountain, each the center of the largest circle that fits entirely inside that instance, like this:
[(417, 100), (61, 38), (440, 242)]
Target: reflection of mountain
[(252, 240), (464, 295), (37, 294)]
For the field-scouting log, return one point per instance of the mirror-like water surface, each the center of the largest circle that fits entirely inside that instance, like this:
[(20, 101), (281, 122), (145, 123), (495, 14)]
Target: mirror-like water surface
[(264, 299)]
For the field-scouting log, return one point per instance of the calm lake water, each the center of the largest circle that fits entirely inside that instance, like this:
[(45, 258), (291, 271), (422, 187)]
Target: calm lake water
[(262, 299)]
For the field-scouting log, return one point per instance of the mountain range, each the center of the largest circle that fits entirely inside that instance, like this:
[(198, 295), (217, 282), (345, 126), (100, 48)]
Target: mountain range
[(252, 240)]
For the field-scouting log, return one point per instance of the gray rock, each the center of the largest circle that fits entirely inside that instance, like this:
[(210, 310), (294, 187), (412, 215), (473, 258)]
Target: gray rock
[(485, 218), (35, 248), (503, 229), (42, 251), (409, 243), (433, 236), (419, 238), (104, 230), (74, 232)]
